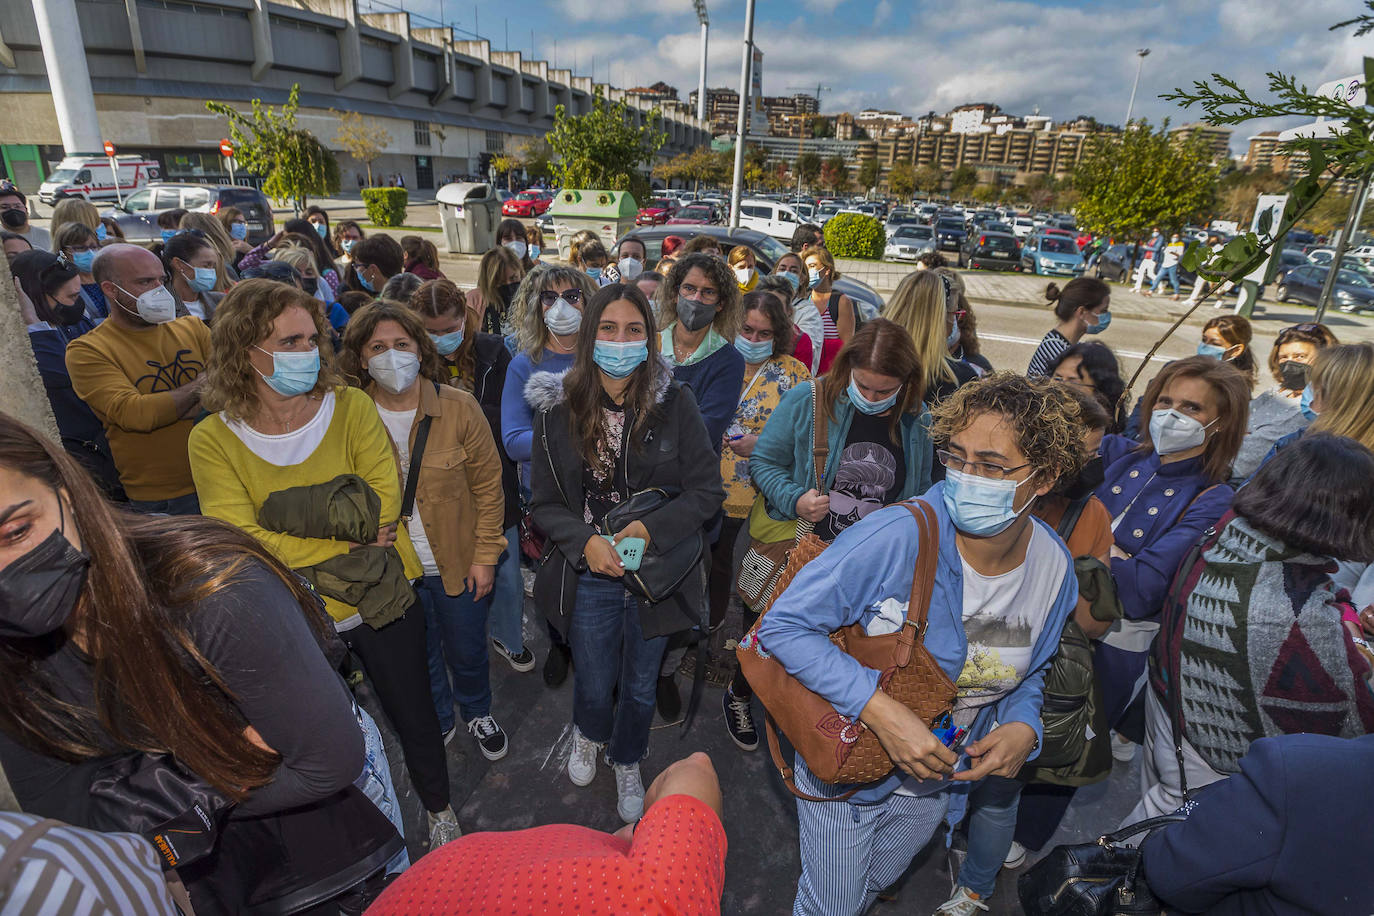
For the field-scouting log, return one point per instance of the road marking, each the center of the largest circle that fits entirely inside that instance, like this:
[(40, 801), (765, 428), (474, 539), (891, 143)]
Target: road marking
[(1031, 342)]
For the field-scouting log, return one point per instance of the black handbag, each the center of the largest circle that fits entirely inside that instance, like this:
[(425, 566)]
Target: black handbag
[(148, 794), (661, 572)]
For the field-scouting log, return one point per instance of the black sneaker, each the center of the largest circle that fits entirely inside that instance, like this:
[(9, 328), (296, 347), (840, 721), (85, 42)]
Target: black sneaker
[(489, 737), (669, 701), (739, 720), (520, 661), (556, 665)]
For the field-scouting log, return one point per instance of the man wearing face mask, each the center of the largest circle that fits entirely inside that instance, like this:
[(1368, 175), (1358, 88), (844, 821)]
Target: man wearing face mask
[(141, 371), (14, 215)]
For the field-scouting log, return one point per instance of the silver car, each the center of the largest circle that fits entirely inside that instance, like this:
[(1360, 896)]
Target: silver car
[(909, 242)]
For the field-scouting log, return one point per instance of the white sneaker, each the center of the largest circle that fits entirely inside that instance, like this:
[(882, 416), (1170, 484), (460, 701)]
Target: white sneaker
[(629, 790), (582, 760), (963, 903), (1123, 749), (1016, 856), (443, 828)]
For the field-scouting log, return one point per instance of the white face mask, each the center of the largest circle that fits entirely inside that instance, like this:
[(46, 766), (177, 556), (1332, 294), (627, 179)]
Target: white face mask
[(518, 247), (563, 318), (630, 268), (156, 306), (394, 370), (1174, 432), (742, 274)]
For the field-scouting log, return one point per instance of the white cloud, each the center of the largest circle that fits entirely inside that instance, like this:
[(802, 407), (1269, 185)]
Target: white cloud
[(882, 12)]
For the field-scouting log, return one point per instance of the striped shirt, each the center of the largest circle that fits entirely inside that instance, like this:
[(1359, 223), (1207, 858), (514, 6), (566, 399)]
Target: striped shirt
[(1050, 349), (69, 871)]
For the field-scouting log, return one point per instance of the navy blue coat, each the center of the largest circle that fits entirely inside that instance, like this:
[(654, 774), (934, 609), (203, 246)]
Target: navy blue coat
[(1288, 834), (715, 383)]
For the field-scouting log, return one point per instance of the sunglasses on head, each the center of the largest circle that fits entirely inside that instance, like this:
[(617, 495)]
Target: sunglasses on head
[(549, 296), (1303, 329)]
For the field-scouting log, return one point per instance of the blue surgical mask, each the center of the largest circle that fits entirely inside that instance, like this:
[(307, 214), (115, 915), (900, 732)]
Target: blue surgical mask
[(362, 281), (84, 260), (981, 506), (321, 230), (348, 245), (1212, 350), (594, 273), (238, 231), (167, 235), (293, 372), (1305, 404), (864, 405), (753, 351), (534, 252), (202, 279), (815, 276), (1102, 321), (448, 344), (792, 278), (101, 233), (619, 358)]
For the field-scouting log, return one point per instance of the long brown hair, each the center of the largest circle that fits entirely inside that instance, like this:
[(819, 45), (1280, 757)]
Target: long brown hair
[(583, 381), (440, 299), (363, 324), (883, 347), (155, 691), (1232, 391)]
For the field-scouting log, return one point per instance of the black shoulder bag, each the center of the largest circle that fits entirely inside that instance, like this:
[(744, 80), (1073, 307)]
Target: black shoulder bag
[(413, 475)]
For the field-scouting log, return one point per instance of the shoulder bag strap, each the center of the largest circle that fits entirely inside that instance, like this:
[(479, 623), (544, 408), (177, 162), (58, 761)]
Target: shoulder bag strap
[(922, 580), (1070, 518), (416, 453), (820, 431), (786, 772), (14, 853), (832, 307)]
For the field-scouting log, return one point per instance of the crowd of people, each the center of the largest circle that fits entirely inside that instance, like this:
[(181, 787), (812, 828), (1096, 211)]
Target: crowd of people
[(287, 468)]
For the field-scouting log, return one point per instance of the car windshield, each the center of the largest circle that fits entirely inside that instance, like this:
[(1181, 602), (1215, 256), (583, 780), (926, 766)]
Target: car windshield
[(999, 242), (1351, 278), (530, 195), (694, 213), (1058, 245), (951, 224), (659, 204), (912, 232), (62, 175), (770, 248), (992, 226)]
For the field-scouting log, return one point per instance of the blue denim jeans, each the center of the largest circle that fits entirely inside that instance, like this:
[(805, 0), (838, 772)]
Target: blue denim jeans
[(508, 597), (991, 825), (1171, 273), (375, 781), (456, 639), (609, 648), (177, 505)]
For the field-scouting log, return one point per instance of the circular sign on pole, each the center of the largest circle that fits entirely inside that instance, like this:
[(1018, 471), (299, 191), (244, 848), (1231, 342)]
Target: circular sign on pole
[(109, 148), (226, 148)]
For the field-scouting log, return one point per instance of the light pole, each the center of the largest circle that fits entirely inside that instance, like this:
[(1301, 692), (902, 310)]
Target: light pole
[(743, 120), (705, 21), (1141, 53)]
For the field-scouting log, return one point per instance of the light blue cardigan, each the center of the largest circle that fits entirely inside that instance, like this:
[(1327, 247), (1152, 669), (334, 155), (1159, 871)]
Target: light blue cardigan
[(872, 561)]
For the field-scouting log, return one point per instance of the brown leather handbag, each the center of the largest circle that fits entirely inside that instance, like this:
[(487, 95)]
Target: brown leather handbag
[(837, 749)]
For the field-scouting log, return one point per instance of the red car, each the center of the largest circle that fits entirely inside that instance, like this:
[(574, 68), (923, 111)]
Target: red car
[(694, 215), (656, 212), (528, 204)]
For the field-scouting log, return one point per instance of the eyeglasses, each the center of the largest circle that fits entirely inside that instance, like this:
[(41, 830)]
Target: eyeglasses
[(548, 297), (74, 248), (978, 468), (706, 294), (1303, 329)]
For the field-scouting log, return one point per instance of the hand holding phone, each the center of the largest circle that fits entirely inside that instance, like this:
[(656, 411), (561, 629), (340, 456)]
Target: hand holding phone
[(630, 550)]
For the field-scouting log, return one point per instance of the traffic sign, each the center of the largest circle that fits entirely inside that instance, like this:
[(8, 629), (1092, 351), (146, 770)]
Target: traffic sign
[(109, 148), (226, 148)]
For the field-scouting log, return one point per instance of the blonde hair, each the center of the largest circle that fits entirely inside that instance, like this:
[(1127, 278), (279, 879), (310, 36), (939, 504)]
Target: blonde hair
[(824, 256), (298, 257), (73, 210), (738, 254), (1343, 375), (527, 315), (576, 241), (492, 270), (215, 233), (919, 305), (245, 316)]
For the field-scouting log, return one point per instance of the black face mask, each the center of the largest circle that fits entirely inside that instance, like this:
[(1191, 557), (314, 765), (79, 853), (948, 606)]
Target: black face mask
[(14, 219), (1088, 479), (68, 314), (310, 284), (1294, 374), (507, 292), (39, 591)]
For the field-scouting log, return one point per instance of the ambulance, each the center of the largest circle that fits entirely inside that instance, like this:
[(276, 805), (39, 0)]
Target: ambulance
[(91, 178)]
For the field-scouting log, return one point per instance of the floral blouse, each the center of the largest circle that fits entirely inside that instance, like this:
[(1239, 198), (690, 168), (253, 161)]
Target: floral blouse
[(759, 396)]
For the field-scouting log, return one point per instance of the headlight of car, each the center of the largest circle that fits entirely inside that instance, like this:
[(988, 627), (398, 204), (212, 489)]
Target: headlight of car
[(1344, 296), (1046, 262)]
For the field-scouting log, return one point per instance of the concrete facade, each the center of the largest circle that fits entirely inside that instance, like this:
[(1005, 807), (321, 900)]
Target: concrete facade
[(154, 63)]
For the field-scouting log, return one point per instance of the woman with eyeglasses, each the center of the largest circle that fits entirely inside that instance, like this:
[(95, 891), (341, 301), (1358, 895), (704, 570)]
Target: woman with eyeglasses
[(1278, 412), (1092, 367), (347, 233), (965, 348), (79, 244), (1004, 586)]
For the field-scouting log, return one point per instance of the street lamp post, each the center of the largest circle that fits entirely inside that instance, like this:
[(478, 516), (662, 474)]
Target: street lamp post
[(1141, 53), (705, 21), (742, 120)]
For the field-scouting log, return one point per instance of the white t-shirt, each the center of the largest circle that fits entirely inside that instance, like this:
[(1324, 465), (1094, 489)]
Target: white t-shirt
[(288, 448), (195, 307), (398, 423)]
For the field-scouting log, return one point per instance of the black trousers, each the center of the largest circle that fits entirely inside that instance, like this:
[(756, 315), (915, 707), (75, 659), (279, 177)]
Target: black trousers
[(396, 662)]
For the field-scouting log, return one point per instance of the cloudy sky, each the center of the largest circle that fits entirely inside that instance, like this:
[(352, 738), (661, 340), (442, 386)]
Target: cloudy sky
[(1064, 58)]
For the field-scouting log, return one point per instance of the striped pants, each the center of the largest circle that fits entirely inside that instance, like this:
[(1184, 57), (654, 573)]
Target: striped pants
[(851, 852)]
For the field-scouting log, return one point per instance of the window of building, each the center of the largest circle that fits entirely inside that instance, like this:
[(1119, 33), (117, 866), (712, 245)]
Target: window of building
[(421, 133), (496, 141)]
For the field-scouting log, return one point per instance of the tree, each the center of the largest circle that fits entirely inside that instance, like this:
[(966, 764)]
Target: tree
[(535, 156), (1141, 178), (838, 171), (364, 140), (869, 170), (603, 148), (293, 163), (505, 164), (962, 181), (986, 193), (902, 180), (809, 167), (929, 178), (779, 177), (822, 128)]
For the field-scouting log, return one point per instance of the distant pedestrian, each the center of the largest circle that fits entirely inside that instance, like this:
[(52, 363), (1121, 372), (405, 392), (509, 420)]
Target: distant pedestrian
[(1082, 308), (1168, 266)]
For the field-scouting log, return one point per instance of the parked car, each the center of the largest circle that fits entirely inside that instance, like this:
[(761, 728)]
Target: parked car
[(777, 219), (1050, 253), (90, 178), (1353, 291), (1289, 258), (992, 250), (900, 218), (997, 225), (656, 212), (1022, 226), (950, 233), (527, 204), (694, 215), (137, 218), (1115, 263), (909, 242), (766, 250)]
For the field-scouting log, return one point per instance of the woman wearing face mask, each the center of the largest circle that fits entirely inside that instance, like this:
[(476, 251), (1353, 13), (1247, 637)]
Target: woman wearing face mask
[(1336, 399), (1092, 367), (236, 225), (50, 303), (603, 433), (213, 230), (965, 348), (547, 315), (69, 211), (783, 292), (105, 614), (1004, 585), (1082, 308), (837, 310), (510, 233), (535, 245), (742, 265), (79, 245), (477, 363), (824, 346), (590, 257), (498, 277), (456, 520), (284, 425), (302, 233), (764, 340), (347, 233), (879, 449), (1227, 338), (699, 316), (1275, 414), (303, 260), (193, 265), (376, 259), (319, 219), (1162, 493)]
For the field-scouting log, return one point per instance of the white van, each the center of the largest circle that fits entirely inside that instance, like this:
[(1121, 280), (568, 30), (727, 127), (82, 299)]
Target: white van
[(769, 217), (90, 177), (1023, 226)]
